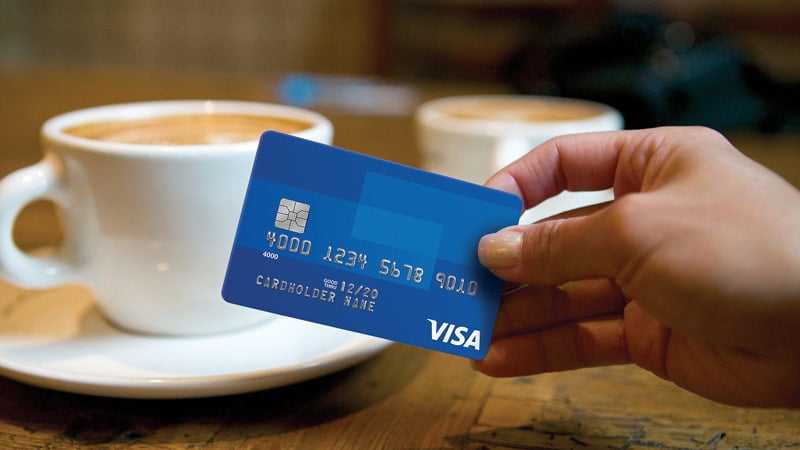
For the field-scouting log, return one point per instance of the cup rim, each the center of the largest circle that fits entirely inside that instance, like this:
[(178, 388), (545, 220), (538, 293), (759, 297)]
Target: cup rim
[(53, 129), (428, 115)]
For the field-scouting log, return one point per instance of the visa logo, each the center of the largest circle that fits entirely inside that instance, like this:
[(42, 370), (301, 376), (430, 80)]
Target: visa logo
[(455, 335)]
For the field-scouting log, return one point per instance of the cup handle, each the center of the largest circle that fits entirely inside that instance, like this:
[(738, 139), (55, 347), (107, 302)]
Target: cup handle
[(43, 180)]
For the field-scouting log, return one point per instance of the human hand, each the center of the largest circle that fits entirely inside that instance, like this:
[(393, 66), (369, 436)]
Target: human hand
[(693, 272)]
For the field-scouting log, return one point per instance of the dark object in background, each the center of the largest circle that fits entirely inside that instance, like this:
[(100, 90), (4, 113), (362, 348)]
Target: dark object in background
[(655, 72)]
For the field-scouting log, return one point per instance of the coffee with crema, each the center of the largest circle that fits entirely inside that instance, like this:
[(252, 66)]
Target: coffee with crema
[(519, 110), (187, 129)]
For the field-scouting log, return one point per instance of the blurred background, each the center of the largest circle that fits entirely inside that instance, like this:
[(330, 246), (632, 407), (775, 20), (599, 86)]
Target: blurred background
[(729, 64), (722, 63)]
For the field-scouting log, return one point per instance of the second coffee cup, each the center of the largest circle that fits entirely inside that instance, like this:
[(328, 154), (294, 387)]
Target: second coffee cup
[(472, 137)]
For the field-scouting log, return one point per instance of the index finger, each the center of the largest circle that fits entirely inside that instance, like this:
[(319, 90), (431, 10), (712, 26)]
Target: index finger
[(581, 162)]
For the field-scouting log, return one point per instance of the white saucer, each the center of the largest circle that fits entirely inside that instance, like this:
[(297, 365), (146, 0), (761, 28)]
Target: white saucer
[(57, 339)]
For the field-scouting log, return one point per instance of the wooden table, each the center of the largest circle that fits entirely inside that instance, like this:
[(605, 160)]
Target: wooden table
[(402, 398)]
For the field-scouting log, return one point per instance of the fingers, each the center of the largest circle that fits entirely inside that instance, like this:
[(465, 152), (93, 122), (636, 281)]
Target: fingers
[(624, 160), (590, 343), (542, 329), (575, 162), (538, 307), (553, 252), (600, 243)]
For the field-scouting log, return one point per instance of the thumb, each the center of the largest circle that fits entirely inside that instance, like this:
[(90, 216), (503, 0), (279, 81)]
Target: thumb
[(555, 251)]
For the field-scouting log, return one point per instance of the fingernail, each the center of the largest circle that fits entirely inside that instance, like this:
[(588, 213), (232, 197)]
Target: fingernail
[(500, 250), (504, 182)]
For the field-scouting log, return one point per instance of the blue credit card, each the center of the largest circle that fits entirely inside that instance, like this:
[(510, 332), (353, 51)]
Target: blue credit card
[(355, 242)]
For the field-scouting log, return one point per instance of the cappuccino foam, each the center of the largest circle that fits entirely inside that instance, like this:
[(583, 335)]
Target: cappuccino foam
[(525, 110), (187, 129)]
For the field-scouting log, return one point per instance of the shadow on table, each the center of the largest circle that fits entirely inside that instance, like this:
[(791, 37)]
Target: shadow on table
[(91, 420)]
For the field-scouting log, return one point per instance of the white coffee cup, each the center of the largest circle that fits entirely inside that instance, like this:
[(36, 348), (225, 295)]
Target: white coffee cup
[(472, 137), (148, 223)]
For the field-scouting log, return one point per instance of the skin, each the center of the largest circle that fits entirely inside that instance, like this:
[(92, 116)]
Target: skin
[(693, 272)]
